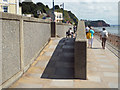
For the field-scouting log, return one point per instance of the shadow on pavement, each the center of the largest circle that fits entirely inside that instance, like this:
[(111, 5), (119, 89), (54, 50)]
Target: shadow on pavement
[(61, 64), (96, 48)]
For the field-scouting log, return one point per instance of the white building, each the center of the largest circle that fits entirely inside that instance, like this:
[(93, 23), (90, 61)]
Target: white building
[(10, 6), (58, 16)]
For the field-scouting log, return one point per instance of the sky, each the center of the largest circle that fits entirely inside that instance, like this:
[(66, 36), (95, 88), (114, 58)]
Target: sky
[(106, 10)]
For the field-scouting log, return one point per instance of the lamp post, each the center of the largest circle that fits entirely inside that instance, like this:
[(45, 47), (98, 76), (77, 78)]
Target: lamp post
[(53, 12), (53, 24), (63, 12)]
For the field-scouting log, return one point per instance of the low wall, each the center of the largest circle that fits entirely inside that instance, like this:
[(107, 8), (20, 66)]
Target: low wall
[(22, 40), (0, 51), (35, 37), (113, 39), (80, 53), (10, 49), (61, 29)]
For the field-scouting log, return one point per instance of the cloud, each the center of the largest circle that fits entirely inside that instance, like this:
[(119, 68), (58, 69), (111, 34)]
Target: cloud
[(94, 10)]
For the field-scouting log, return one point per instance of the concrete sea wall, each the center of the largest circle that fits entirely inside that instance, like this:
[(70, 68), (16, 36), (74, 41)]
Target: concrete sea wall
[(35, 37), (80, 53), (22, 39), (61, 29), (10, 49)]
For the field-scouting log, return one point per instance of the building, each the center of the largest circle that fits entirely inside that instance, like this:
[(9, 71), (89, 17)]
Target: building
[(28, 15), (10, 6), (58, 16)]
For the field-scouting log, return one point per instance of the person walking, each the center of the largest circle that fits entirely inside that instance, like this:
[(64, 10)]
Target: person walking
[(103, 37), (74, 31), (87, 29), (90, 41), (68, 33)]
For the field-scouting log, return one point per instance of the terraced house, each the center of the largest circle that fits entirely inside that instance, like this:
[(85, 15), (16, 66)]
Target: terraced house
[(10, 6)]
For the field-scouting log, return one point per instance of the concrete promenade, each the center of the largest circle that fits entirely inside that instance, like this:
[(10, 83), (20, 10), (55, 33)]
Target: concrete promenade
[(51, 70)]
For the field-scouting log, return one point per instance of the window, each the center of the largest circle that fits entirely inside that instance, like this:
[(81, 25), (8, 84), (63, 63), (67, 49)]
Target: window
[(5, 0), (60, 16), (5, 9)]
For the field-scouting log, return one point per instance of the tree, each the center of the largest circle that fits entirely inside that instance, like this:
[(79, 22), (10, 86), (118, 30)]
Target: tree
[(47, 6), (20, 4), (41, 4), (44, 10), (32, 8), (57, 7)]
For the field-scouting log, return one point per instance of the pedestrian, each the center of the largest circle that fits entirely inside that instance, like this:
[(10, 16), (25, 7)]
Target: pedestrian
[(69, 32), (72, 34), (74, 29), (90, 41), (103, 37), (87, 29)]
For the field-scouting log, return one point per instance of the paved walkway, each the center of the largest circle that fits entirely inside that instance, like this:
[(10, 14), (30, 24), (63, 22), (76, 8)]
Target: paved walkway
[(51, 70)]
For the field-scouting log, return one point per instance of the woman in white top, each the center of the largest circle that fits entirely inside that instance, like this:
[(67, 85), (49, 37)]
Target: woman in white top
[(103, 36), (87, 29)]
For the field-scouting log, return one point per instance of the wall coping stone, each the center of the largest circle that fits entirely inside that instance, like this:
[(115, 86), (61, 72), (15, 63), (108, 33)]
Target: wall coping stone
[(81, 33), (80, 53), (9, 16)]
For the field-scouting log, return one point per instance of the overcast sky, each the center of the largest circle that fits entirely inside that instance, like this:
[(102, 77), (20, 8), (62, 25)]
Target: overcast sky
[(90, 9)]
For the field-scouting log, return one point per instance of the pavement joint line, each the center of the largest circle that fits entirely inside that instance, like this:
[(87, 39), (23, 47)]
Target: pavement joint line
[(111, 49), (92, 71)]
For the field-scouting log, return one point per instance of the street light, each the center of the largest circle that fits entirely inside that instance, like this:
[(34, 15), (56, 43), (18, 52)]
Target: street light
[(53, 12), (63, 10)]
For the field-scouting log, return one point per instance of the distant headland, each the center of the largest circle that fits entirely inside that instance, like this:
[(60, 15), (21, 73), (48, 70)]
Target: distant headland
[(97, 23)]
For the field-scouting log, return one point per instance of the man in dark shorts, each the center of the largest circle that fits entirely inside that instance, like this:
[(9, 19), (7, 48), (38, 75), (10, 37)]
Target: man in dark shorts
[(103, 36)]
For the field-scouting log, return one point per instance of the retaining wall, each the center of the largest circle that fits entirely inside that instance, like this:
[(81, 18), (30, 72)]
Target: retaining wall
[(35, 37), (10, 48), (0, 51), (61, 29), (22, 39), (80, 53)]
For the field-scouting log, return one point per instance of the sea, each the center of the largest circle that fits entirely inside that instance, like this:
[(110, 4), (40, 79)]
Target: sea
[(113, 29)]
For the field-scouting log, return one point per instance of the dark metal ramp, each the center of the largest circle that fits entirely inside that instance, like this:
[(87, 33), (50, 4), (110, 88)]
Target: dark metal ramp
[(61, 64)]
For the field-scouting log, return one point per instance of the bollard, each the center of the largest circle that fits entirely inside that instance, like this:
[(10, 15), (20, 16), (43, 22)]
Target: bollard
[(53, 29)]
